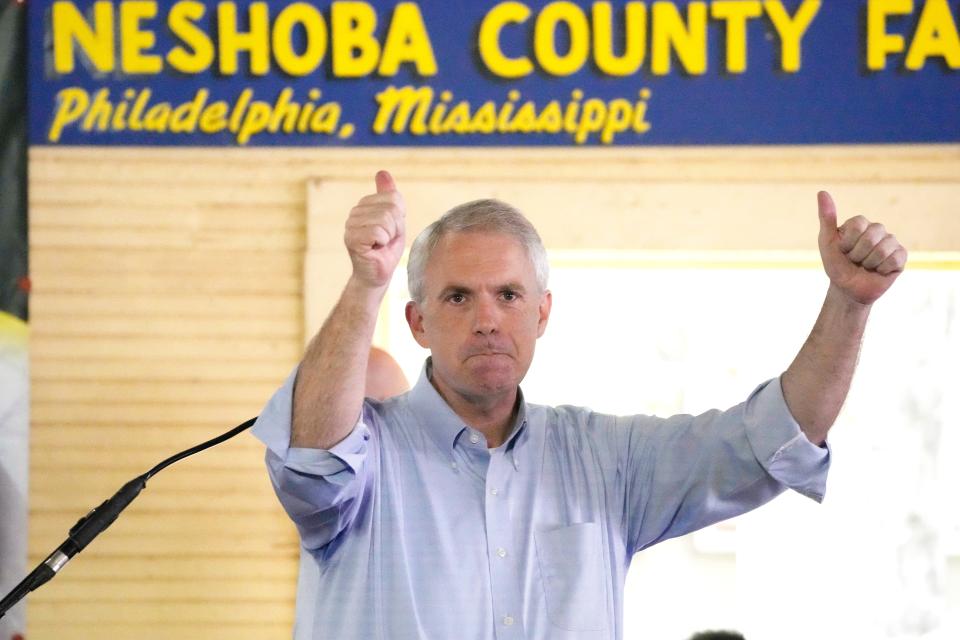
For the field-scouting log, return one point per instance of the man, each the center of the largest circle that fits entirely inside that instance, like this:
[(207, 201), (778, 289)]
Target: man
[(458, 510)]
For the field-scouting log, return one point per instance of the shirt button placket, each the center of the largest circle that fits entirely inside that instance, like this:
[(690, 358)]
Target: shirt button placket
[(503, 570)]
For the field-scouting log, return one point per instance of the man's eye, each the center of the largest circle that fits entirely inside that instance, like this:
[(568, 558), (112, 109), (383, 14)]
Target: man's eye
[(509, 296), (456, 298)]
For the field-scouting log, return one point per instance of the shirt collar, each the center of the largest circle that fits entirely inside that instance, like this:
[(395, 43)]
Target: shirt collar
[(442, 422)]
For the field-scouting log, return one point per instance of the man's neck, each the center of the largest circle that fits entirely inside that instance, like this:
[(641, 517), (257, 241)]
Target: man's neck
[(492, 416)]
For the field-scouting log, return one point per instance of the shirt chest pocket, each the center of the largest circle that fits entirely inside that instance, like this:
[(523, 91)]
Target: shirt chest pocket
[(571, 568)]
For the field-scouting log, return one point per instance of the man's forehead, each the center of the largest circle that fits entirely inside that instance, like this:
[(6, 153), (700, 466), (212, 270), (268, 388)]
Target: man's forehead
[(468, 255), (477, 234)]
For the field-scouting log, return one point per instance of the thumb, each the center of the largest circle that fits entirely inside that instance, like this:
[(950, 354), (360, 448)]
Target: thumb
[(385, 182), (828, 216)]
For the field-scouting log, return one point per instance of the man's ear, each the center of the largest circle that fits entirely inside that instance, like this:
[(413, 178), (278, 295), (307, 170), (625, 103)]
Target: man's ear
[(546, 303), (415, 322)]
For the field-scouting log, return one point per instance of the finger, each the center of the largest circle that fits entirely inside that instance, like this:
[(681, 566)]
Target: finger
[(883, 250), (371, 226), (828, 216), (376, 232), (385, 182), (850, 232), (364, 211), (380, 212), (894, 263), (363, 239), (867, 241), (387, 197)]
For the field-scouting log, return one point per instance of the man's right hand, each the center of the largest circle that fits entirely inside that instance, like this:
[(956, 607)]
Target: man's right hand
[(375, 233)]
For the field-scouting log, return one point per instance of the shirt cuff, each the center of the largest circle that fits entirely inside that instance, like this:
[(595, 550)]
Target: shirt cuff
[(273, 428), (348, 454), (781, 447)]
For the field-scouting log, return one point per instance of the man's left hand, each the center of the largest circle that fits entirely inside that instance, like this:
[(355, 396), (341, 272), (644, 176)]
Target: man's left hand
[(861, 259)]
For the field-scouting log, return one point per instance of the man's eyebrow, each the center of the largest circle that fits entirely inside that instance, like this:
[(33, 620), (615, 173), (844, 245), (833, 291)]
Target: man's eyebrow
[(450, 289)]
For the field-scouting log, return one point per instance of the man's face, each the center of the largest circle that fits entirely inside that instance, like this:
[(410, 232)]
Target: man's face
[(481, 314)]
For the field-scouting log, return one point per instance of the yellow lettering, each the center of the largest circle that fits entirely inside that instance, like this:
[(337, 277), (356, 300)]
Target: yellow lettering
[(214, 117), (485, 119), (355, 49), (184, 118), (182, 17), (325, 118), (591, 120), (71, 104), (936, 35), (255, 121), (544, 38), (572, 111), (879, 42), (158, 117), (688, 40), (98, 114), (736, 14), (239, 107), (640, 124), (398, 105), (316, 33), (488, 40), (134, 41), (459, 119), (256, 41), (635, 37), (408, 41), (791, 30), (618, 120), (139, 106), (69, 26)]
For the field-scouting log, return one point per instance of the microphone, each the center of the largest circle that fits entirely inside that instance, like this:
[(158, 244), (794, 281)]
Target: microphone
[(80, 535), (91, 525)]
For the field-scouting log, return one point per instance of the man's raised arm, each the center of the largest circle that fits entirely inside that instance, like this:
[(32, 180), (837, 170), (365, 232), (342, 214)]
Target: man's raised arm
[(862, 260), (328, 392)]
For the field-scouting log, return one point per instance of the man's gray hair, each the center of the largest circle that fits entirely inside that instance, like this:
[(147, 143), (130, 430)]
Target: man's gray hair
[(490, 216)]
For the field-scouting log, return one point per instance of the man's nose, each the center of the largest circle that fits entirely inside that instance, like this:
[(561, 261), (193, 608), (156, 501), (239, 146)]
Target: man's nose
[(486, 317)]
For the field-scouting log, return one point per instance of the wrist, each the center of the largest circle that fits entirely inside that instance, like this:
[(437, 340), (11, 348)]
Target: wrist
[(363, 292), (840, 301)]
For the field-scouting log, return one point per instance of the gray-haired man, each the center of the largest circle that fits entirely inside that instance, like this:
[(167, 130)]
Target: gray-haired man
[(458, 510)]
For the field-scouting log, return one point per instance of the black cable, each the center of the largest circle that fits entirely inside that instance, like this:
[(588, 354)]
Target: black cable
[(200, 447), (91, 525)]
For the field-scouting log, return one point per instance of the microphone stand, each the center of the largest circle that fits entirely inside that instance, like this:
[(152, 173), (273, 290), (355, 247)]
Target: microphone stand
[(91, 525)]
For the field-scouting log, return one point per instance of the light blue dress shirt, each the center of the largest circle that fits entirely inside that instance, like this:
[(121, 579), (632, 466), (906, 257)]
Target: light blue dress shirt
[(412, 528)]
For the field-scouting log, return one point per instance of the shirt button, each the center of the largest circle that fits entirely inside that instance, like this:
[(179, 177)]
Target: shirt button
[(502, 552), (494, 492), (453, 465), (508, 620), (474, 438)]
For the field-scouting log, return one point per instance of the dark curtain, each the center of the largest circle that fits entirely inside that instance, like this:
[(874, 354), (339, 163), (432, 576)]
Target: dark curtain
[(14, 282)]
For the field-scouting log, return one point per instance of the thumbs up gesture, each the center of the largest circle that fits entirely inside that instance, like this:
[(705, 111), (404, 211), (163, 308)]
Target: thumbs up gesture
[(861, 259), (375, 232)]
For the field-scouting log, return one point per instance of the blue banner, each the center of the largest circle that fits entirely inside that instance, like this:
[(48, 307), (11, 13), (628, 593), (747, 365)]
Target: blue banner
[(448, 72)]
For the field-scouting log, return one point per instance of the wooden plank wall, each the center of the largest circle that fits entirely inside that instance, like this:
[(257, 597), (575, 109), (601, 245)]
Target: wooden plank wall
[(168, 304), (166, 308)]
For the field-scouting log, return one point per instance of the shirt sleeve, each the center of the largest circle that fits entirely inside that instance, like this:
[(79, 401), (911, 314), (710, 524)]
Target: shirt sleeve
[(320, 489), (683, 473)]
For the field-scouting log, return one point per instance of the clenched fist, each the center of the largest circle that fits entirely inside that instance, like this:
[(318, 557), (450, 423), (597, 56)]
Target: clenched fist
[(860, 257), (375, 233)]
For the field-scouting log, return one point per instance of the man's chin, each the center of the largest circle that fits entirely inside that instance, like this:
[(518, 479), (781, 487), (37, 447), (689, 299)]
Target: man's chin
[(492, 382)]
